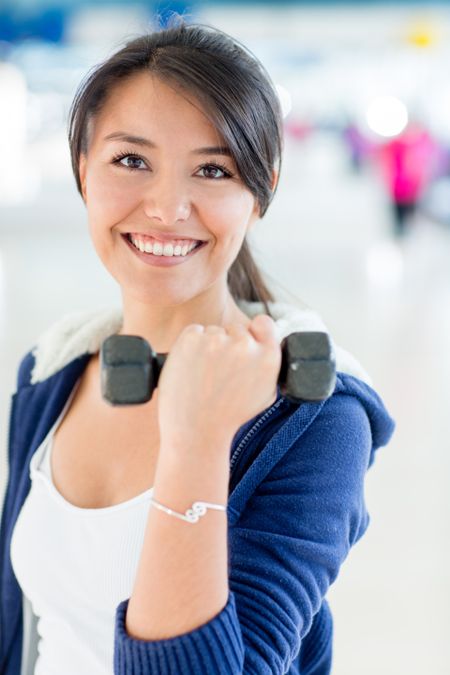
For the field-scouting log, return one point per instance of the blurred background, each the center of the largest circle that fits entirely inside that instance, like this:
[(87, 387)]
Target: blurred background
[(359, 230)]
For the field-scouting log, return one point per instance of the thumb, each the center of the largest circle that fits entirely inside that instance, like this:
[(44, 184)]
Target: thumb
[(262, 328)]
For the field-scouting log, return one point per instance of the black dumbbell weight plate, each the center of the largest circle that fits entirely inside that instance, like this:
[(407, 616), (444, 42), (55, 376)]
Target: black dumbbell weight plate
[(126, 370), (308, 371)]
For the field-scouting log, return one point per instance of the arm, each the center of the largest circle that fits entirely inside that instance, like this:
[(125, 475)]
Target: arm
[(285, 548), (182, 578)]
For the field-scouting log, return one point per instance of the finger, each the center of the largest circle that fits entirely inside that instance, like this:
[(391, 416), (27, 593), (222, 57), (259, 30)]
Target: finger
[(193, 328), (262, 327), (214, 329), (236, 330)]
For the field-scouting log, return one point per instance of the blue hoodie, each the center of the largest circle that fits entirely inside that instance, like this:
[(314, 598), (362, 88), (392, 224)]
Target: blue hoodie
[(296, 507)]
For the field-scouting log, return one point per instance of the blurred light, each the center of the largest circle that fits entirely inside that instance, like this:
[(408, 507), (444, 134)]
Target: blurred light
[(285, 99), (384, 265), (422, 34), (387, 116)]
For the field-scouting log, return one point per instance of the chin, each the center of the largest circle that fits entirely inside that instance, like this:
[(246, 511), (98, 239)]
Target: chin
[(157, 296)]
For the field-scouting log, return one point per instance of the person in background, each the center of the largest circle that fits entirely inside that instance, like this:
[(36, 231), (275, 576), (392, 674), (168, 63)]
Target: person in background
[(107, 564), (408, 164), (359, 146)]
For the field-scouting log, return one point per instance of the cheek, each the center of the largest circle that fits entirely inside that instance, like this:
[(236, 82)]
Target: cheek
[(228, 216), (107, 199)]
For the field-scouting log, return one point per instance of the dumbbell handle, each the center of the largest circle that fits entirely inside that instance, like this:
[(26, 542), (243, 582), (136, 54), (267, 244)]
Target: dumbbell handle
[(130, 369)]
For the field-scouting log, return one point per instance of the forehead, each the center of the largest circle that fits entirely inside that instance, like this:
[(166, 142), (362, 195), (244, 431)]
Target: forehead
[(142, 103)]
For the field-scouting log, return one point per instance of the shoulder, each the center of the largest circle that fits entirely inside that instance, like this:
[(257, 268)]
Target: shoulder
[(349, 426), (69, 337), (354, 411), (25, 369), (315, 444)]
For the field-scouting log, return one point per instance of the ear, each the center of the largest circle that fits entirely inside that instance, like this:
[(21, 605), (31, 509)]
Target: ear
[(82, 171), (275, 175)]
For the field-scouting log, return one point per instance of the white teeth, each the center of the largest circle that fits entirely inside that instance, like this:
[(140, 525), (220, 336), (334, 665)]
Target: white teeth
[(163, 249), (168, 249)]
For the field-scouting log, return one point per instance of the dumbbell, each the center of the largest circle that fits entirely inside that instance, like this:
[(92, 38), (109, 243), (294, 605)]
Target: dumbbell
[(130, 368)]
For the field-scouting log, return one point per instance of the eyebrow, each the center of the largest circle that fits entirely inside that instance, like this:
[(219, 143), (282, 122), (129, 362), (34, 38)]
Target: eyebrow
[(139, 140)]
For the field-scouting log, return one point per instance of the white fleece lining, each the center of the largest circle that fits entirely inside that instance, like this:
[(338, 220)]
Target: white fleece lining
[(84, 331)]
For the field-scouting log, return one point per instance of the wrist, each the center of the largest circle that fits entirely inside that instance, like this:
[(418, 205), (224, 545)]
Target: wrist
[(204, 446), (188, 474)]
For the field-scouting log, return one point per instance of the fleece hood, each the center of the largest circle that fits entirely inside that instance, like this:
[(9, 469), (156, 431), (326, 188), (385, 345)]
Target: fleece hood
[(81, 332)]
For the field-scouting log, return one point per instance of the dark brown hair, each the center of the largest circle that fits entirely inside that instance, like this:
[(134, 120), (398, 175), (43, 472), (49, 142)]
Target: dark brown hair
[(236, 93)]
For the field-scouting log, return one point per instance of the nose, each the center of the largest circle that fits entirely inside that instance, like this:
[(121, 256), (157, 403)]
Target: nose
[(167, 198)]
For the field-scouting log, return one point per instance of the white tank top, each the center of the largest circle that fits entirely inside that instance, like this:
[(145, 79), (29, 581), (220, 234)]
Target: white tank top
[(75, 565)]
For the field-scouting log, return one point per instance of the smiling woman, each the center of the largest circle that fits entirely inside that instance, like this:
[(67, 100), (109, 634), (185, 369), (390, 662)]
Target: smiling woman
[(170, 177), (176, 147), (158, 106)]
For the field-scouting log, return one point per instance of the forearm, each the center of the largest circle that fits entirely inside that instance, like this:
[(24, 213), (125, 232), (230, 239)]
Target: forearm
[(182, 576)]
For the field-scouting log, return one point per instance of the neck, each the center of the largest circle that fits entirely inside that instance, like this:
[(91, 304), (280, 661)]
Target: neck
[(161, 324)]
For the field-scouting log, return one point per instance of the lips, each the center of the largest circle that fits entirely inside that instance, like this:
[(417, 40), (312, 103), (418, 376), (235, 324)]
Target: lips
[(161, 260)]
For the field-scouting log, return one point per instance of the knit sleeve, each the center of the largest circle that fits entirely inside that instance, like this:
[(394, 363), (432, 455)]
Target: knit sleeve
[(285, 550)]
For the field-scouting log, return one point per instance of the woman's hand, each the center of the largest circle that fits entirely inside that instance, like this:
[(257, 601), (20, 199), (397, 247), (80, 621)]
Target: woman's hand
[(215, 379)]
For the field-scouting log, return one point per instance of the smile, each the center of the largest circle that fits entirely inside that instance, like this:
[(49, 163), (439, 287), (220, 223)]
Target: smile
[(176, 247), (160, 259)]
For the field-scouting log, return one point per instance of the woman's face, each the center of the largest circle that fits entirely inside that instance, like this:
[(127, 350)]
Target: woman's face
[(151, 170)]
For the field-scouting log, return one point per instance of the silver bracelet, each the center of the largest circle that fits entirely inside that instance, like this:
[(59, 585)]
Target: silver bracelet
[(193, 514)]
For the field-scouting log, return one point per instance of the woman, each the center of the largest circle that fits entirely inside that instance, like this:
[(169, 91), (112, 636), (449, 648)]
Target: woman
[(176, 147)]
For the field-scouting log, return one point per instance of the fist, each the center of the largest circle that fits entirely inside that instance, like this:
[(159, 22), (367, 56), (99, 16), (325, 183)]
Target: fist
[(217, 378)]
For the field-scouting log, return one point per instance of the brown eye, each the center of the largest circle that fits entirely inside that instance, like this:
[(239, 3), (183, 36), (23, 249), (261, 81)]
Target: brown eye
[(133, 162), (214, 170)]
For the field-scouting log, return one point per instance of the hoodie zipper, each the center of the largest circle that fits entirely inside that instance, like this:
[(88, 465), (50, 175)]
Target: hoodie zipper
[(251, 432)]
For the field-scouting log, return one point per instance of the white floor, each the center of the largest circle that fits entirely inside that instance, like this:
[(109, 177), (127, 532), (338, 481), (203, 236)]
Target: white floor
[(327, 239)]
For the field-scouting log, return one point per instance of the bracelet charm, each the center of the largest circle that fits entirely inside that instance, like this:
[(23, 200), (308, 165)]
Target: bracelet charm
[(192, 514)]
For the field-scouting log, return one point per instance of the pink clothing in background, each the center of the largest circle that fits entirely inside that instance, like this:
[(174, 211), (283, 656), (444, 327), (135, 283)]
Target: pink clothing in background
[(407, 163)]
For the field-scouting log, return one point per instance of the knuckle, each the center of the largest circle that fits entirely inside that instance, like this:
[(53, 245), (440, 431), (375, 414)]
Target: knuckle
[(193, 328), (213, 329), (243, 342), (214, 340), (192, 333)]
